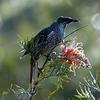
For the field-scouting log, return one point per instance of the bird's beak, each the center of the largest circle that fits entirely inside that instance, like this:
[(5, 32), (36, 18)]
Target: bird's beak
[(71, 20), (75, 20)]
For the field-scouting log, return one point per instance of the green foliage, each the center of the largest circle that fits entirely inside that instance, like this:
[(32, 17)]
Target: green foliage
[(85, 93), (87, 88)]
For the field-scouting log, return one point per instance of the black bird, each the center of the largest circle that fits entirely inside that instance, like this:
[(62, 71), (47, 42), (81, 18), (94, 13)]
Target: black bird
[(42, 44)]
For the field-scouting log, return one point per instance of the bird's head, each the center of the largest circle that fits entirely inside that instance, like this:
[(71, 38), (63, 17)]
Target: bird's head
[(66, 20)]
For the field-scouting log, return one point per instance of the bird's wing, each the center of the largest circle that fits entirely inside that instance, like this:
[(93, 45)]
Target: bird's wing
[(45, 39), (41, 37), (39, 41)]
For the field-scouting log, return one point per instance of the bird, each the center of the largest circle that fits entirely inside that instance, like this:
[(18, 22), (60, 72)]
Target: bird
[(46, 40)]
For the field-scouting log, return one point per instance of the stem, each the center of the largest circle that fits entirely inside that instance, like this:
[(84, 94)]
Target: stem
[(75, 31), (45, 61)]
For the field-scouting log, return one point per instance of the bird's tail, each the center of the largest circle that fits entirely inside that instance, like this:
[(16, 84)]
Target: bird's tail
[(32, 68)]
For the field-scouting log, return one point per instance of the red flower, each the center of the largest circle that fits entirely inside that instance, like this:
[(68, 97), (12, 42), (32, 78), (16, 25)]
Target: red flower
[(74, 55)]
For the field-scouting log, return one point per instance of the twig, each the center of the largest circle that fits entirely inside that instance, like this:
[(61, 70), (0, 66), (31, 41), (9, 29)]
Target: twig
[(45, 61), (75, 31)]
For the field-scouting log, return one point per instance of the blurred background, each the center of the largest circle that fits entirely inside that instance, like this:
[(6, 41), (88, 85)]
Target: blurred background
[(22, 19)]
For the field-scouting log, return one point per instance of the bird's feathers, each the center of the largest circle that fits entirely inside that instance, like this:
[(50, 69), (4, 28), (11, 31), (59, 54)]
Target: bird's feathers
[(36, 45)]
